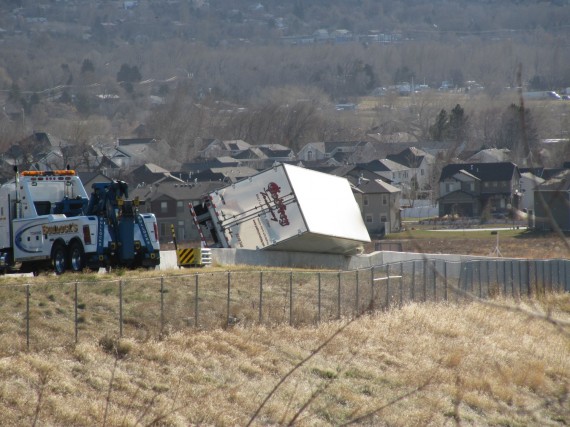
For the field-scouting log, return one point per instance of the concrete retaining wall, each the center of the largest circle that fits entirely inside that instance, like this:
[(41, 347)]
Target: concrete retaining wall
[(326, 261), (309, 260)]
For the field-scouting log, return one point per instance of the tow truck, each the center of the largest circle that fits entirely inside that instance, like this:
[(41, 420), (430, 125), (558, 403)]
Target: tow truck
[(49, 222)]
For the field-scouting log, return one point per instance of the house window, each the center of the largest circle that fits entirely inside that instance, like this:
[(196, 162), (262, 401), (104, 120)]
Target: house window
[(309, 155), (448, 187), (383, 218), (365, 200), (384, 199), (368, 219), (180, 206), (163, 207), (421, 172), (163, 230), (393, 175), (472, 186), (181, 232)]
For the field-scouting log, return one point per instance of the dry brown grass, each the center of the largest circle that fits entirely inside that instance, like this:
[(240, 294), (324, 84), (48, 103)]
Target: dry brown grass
[(512, 243), (424, 364)]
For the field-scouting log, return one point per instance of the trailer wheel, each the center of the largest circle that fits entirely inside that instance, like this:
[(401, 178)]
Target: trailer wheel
[(76, 257), (59, 260)]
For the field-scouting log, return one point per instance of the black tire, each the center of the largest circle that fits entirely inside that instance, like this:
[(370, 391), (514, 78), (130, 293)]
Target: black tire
[(76, 257), (59, 258)]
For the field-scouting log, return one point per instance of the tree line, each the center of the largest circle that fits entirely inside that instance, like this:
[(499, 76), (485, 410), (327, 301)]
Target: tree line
[(273, 93)]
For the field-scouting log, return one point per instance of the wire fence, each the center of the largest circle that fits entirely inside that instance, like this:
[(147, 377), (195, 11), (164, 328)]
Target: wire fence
[(39, 316)]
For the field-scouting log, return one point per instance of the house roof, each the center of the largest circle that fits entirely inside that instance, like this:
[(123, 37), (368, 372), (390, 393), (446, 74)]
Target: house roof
[(129, 141), (176, 191), (502, 171), (236, 144), (545, 173), (275, 150), (532, 177), (465, 173), (560, 182), (151, 173), (375, 186), (384, 165), (367, 180), (411, 157), (330, 146), (231, 174), (210, 163), (38, 144), (487, 155), (87, 177), (250, 153), (152, 168), (235, 172)]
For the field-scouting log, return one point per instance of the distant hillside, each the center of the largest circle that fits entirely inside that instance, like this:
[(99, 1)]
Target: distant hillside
[(117, 62)]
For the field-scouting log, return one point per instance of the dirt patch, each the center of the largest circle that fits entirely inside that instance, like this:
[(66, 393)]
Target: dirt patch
[(548, 246)]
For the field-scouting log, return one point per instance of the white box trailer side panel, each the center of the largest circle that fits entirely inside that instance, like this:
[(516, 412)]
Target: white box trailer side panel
[(327, 204), (259, 211)]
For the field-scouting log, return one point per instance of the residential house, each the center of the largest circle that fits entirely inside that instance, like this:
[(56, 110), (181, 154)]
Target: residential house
[(546, 173), (133, 152), (343, 152), (552, 203), (487, 155), (262, 157), (90, 178), (529, 182), (39, 151), (218, 148), (461, 193), (479, 189), (110, 168), (150, 173), (191, 168), (395, 173), (420, 164), (169, 202), (379, 201)]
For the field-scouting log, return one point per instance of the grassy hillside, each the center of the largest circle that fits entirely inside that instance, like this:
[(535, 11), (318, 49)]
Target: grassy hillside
[(495, 363)]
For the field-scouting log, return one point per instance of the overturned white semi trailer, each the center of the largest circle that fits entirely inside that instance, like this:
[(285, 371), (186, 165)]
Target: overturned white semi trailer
[(285, 208)]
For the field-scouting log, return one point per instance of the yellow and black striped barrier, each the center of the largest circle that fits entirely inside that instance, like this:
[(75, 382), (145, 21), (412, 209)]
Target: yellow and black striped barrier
[(193, 257)]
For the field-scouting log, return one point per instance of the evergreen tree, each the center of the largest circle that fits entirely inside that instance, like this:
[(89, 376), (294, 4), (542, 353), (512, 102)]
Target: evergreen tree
[(87, 66), (438, 130), (129, 74), (457, 125), (452, 127)]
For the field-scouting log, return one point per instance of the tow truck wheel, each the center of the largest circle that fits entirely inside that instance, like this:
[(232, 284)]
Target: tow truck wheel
[(76, 257), (58, 258)]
